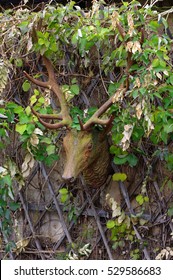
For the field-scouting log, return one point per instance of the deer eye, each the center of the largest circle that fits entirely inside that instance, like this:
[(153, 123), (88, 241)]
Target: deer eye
[(90, 146)]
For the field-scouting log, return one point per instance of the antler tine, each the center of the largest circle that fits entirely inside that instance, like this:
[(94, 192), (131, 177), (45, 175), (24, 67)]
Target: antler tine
[(95, 117), (47, 116), (51, 75), (51, 84)]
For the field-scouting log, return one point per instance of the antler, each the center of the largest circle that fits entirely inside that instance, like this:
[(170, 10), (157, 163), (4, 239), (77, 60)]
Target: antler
[(95, 117), (63, 116)]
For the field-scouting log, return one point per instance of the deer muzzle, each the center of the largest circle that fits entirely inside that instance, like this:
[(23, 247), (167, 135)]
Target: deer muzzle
[(69, 173)]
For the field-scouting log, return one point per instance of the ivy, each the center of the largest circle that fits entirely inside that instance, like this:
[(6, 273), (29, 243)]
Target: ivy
[(87, 44)]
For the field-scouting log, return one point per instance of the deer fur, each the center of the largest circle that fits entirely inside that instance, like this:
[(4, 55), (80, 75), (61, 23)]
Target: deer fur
[(87, 153)]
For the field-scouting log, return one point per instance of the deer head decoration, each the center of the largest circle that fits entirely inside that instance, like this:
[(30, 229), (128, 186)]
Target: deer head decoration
[(87, 150)]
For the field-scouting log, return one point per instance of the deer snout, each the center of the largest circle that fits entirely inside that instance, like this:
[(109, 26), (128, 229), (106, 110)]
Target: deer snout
[(68, 176)]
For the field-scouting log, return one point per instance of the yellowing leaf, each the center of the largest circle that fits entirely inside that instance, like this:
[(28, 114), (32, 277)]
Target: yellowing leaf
[(110, 224), (140, 199), (33, 99), (28, 111), (119, 177), (20, 128)]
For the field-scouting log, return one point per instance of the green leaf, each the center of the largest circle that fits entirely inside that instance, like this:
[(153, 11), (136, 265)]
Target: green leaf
[(170, 212), (24, 26), (146, 198), (24, 118), (36, 92), (50, 149), (112, 88), (168, 128), (26, 86), (54, 47), (157, 95), (74, 81), (132, 160), (46, 140), (28, 110), (18, 110), (110, 224), (119, 177), (155, 62), (7, 180), (20, 128), (74, 89), (49, 160), (154, 25), (3, 203), (14, 206), (18, 62), (30, 128), (64, 198), (41, 41), (63, 191), (118, 160), (64, 194), (140, 199), (11, 105), (41, 100), (171, 79)]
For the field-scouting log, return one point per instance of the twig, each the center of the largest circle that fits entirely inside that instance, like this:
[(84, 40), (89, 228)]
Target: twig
[(100, 72), (127, 200), (72, 222), (62, 221), (37, 242), (97, 220), (163, 204)]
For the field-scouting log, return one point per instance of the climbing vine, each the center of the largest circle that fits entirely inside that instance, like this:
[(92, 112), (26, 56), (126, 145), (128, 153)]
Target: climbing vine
[(126, 45)]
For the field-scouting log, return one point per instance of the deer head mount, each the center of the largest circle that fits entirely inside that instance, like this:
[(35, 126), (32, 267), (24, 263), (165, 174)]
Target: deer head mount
[(87, 150)]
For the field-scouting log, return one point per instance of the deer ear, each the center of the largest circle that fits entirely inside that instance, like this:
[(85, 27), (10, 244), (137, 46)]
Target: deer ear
[(107, 129)]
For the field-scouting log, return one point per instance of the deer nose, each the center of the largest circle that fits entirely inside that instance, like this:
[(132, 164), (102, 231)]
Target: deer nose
[(68, 177)]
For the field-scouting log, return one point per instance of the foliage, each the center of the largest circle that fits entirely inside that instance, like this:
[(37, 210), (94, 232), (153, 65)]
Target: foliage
[(8, 206), (67, 199), (125, 45), (145, 110)]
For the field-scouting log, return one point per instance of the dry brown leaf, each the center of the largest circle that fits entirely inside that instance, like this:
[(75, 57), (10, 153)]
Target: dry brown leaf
[(139, 111), (150, 125), (115, 19), (159, 76), (136, 47), (137, 83), (131, 25), (118, 96), (27, 165), (129, 46), (125, 142), (34, 140), (20, 245), (165, 254)]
